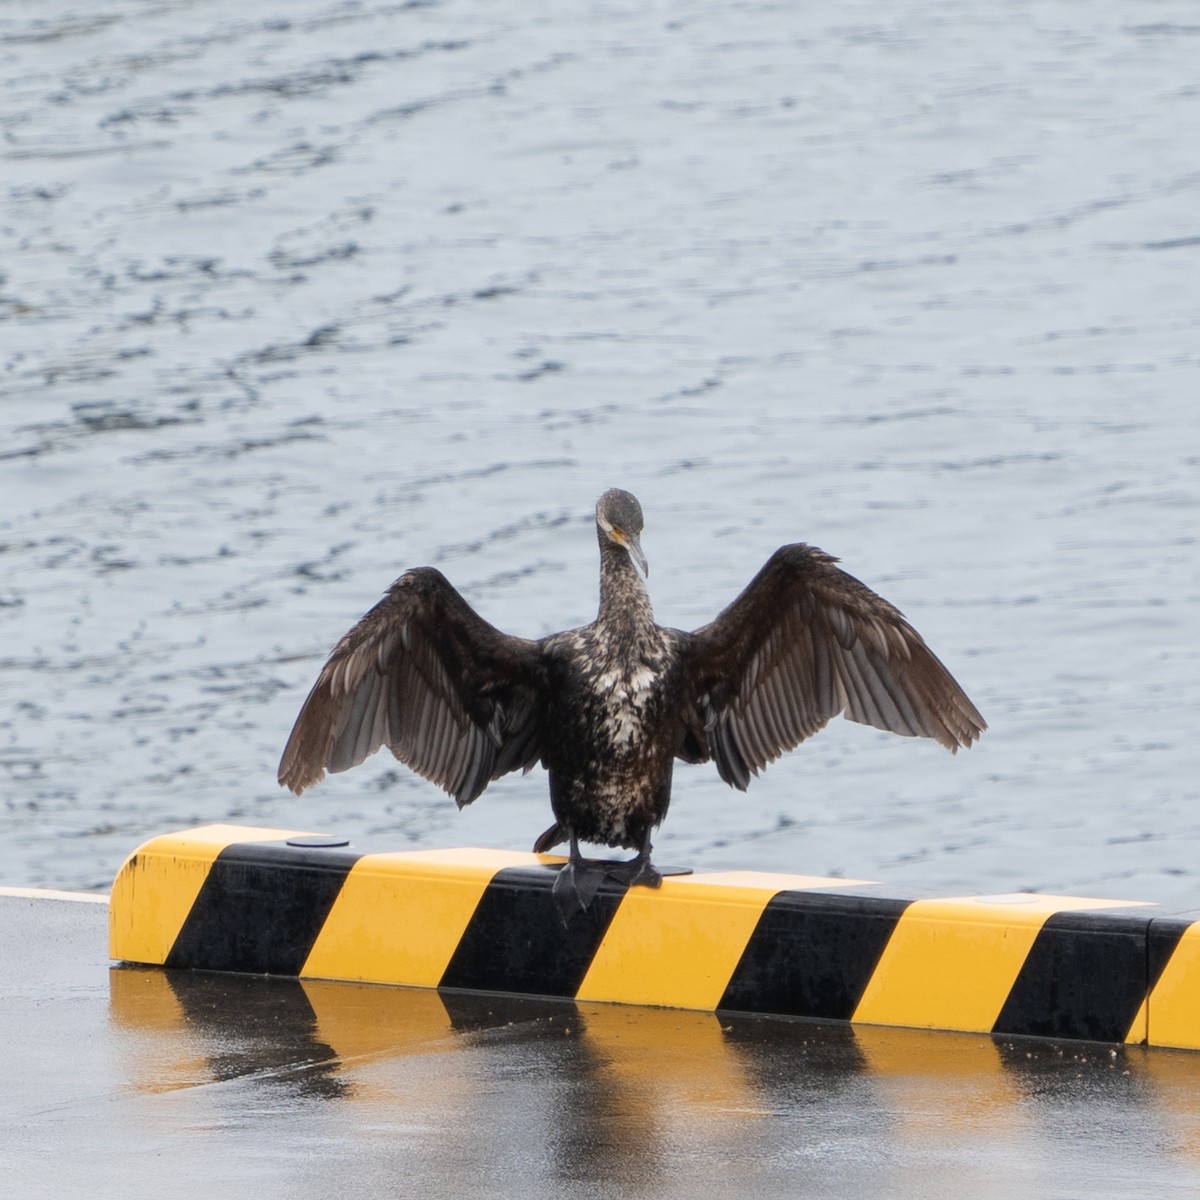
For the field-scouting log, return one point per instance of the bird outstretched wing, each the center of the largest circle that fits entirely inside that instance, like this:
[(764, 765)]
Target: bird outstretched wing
[(804, 642), (422, 673)]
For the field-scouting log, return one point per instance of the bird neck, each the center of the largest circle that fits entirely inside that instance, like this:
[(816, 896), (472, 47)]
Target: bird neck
[(624, 602)]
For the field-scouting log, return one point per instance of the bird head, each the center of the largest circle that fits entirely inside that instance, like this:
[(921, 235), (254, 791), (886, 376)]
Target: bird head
[(619, 519)]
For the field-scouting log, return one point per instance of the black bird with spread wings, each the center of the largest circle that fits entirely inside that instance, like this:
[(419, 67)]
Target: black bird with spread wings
[(607, 708)]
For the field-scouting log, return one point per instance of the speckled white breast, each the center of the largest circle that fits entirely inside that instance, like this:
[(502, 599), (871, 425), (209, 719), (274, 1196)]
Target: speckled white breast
[(625, 695)]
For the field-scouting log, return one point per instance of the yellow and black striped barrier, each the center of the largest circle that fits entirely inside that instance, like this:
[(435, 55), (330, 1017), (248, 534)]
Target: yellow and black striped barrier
[(270, 901)]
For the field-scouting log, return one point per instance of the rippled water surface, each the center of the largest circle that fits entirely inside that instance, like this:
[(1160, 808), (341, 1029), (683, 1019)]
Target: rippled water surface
[(295, 295)]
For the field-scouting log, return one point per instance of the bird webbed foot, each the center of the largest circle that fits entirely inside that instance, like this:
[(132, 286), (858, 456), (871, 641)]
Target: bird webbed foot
[(579, 881), (576, 887), (637, 872)]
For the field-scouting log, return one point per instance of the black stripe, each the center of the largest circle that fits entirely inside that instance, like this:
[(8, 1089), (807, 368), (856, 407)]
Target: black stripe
[(1084, 977), (1165, 933), (261, 908), (516, 942), (812, 954)]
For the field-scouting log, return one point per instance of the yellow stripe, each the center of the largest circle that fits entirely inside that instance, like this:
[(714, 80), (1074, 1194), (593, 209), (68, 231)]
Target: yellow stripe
[(950, 964), (1174, 1004), (678, 946), (156, 887), (399, 916)]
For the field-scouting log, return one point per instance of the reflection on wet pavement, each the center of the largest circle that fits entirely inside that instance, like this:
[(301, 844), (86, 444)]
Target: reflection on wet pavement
[(493, 1091)]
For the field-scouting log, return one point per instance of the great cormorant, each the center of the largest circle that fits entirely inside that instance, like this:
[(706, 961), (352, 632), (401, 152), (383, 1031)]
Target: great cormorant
[(607, 708)]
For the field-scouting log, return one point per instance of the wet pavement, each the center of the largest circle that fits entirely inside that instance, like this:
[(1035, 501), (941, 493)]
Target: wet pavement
[(138, 1083)]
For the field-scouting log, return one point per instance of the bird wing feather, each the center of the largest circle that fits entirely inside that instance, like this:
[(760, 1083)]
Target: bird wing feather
[(422, 673), (804, 642)]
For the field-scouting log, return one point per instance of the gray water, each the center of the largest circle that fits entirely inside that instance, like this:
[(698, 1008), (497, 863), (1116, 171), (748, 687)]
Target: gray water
[(297, 295)]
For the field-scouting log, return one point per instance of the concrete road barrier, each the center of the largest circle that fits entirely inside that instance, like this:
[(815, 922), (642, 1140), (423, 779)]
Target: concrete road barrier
[(282, 902)]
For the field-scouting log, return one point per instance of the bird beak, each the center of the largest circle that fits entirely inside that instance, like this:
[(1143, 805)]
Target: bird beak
[(635, 552)]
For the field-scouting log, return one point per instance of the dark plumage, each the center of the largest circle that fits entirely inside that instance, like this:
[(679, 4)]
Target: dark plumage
[(607, 708)]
